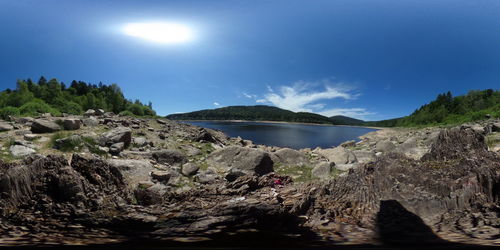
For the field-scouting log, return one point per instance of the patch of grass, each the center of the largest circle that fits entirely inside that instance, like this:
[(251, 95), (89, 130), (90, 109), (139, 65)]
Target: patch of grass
[(492, 140), (300, 173), (74, 143), (10, 142)]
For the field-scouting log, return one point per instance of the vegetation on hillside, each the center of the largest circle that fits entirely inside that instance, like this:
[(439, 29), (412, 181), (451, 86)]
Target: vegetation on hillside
[(30, 99), (252, 113), (446, 109), (344, 120)]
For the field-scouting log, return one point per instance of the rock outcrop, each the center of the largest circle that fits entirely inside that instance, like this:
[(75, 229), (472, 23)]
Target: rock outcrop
[(44, 126)]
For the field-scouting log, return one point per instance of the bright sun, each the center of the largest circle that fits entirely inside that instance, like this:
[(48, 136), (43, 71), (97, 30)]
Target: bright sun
[(159, 32)]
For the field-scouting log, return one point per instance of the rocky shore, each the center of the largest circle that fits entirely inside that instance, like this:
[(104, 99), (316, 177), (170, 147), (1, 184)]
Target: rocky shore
[(106, 179)]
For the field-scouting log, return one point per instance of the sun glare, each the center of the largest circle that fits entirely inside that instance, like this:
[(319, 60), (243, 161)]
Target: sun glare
[(160, 32)]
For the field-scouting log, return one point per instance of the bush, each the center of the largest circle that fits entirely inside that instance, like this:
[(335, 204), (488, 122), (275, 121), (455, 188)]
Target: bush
[(71, 108), (126, 113), (36, 107), (5, 112), (136, 109)]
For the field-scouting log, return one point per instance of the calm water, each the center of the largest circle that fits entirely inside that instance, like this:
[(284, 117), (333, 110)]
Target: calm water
[(287, 135)]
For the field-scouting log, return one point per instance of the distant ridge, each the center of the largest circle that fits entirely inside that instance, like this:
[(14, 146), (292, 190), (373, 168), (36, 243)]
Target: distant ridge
[(344, 120), (252, 113)]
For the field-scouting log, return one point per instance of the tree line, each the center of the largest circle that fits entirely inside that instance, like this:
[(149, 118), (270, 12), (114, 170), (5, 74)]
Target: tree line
[(446, 109), (252, 113), (32, 98)]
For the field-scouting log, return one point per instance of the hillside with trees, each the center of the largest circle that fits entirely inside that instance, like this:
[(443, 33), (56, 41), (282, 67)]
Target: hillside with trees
[(252, 113), (33, 98), (344, 120), (446, 109)]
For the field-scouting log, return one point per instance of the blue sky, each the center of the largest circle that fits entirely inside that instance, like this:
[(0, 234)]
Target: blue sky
[(370, 59)]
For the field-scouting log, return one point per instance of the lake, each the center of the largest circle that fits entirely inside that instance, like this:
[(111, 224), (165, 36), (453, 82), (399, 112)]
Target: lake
[(287, 134)]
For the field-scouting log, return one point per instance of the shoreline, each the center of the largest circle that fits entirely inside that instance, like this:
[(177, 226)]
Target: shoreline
[(283, 122)]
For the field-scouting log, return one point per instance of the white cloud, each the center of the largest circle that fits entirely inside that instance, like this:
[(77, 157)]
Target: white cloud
[(358, 113), (300, 98), (249, 96), (216, 104)]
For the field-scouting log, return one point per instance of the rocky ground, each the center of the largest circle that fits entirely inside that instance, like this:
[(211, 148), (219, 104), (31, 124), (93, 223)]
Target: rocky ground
[(105, 179)]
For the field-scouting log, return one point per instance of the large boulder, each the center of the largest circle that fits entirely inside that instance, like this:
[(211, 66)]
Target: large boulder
[(339, 155), (170, 156), (71, 124), (288, 156), (90, 122), (133, 171), (120, 134), (322, 170), (189, 169), (21, 151), (248, 161), (5, 126), (385, 146), (44, 126)]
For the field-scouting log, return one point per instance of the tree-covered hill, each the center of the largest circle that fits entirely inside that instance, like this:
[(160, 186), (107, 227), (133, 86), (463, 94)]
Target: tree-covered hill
[(447, 109), (252, 113), (33, 98), (344, 120)]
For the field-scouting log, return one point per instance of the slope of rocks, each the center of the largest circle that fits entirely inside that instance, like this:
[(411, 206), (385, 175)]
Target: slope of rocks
[(174, 182)]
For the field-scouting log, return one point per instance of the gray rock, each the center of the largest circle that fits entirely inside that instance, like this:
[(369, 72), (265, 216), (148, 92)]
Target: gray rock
[(408, 146), (206, 177), (348, 144), (161, 121), (120, 134), (24, 120), (140, 141), (22, 132), (345, 167), (170, 156), (31, 137), (161, 176), (99, 112), (496, 127), (89, 112), (338, 155), (71, 124), (384, 146), (116, 148), (189, 169), (364, 156), (5, 126), (74, 140), (246, 160), (90, 122), (322, 170), (21, 151), (133, 171), (288, 156), (44, 126)]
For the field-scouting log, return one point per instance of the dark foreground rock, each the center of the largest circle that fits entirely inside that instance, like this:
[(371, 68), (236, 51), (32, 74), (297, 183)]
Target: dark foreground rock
[(451, 195)]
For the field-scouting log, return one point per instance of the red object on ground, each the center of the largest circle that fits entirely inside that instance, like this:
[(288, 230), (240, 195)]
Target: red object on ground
[(278, 182)]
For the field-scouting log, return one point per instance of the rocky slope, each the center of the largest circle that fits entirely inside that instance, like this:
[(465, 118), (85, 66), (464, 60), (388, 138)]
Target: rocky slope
[(102, 179)]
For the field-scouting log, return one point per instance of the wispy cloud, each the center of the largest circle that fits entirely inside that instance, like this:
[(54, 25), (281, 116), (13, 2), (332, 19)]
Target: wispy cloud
[(300, 98), (249, 96), (216, 104)]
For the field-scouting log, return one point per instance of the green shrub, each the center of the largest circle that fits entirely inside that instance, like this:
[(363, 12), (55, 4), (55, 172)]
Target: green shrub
[(36, 107), (71, 108), (5, 112), (126, 113), (136, 109)]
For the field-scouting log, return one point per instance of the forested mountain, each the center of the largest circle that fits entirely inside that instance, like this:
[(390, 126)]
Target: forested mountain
[(252, 113), (30, 98), (447, 109), (344, 120)]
